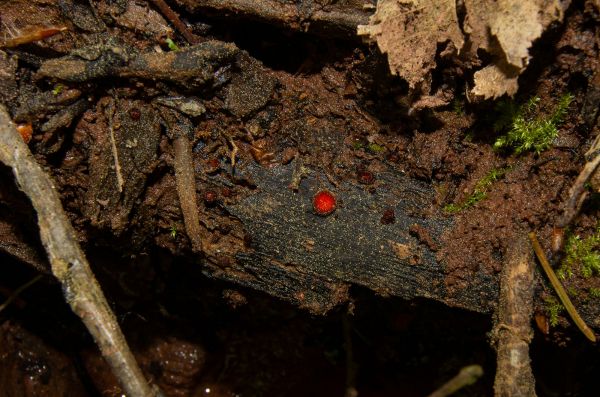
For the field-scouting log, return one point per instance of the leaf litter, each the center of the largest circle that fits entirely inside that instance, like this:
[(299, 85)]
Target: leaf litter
[(410, 32)]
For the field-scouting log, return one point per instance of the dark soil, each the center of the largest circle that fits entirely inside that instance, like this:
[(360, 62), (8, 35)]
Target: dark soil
[(390, 294)]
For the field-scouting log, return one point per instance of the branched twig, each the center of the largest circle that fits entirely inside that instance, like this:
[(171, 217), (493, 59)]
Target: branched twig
[(68, 262), (512, 332), (560, 291), (466, 376)]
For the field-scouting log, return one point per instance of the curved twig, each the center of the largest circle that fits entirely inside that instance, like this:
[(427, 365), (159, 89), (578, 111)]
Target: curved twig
[(560, 290)]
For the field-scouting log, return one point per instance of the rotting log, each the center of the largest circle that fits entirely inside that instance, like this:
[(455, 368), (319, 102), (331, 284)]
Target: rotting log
[(292, 253), (312, 260)]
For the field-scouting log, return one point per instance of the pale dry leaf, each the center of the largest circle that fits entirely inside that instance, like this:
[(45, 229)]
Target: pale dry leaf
[(492, 82), (506, 29), (408, 31), (518, 23)]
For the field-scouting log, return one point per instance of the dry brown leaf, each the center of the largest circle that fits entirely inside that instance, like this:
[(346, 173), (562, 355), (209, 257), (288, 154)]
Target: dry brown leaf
[(409, 32), (506, 29), (476, 25), (518, 23)]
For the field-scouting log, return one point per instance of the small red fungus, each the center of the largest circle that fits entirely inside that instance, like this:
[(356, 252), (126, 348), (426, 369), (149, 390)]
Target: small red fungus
[(227, 192), (213, 165), (389, 216), (26, 131), (324, 203), (366, 177), (135, 114), (210, 197)]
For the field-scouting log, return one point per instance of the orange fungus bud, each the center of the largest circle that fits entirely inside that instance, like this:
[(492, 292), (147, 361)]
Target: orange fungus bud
[(324, 202), (26, 131)]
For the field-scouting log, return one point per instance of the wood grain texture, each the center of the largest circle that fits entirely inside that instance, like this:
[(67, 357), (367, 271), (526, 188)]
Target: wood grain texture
[(312, 260)]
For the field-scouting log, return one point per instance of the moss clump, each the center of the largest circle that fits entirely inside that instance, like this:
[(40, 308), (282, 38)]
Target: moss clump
[(582, 254), (480, 192), (58, 88), (594, 292), (458, 106), (375, 148), (527, 129), (553, 308), (171, 44)]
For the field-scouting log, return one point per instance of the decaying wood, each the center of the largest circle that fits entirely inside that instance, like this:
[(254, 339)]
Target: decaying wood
[(513, 331), (68, 262), (312, 261), (337, 17)]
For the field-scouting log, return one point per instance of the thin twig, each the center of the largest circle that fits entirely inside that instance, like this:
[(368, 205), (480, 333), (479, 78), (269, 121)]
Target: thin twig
[(185, 181), (113, 145), (465, 377), (176, 21), (560, 291), (343, 18), (233, 154), (68, 262), (574, 201), (186, 188), (19, 290)]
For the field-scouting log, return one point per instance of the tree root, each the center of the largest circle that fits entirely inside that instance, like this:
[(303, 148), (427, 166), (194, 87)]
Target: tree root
[(512, 332), (68, 262)]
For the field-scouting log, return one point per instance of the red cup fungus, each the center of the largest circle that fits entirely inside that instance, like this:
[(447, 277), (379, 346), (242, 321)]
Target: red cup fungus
[(324, 203)]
